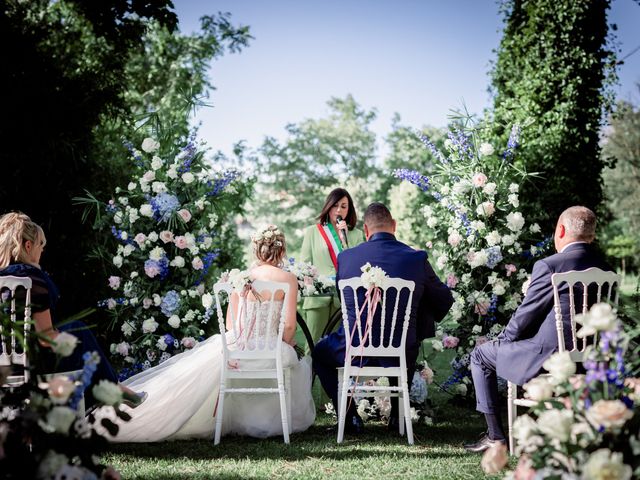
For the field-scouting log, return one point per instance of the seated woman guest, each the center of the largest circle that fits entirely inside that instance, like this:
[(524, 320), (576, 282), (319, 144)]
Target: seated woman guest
[(321, 245), (21, 245)]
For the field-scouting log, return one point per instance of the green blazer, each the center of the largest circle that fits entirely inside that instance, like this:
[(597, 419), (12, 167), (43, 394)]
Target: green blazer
[(314, 250)]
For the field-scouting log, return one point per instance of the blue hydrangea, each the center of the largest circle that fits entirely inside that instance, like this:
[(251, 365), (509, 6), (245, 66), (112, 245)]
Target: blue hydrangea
[(164, 205), (162, 265), (494, 256), (170, 303), (418, 392)]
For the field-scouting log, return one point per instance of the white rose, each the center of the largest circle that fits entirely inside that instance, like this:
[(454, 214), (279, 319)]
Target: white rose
[(178, 261), (157, 253), (197, 263), (476, 330), (65, 344), (150, 145), (486, 149), (153, 237), (538, 389), (600, 318), (185, 215), (149, 325), (148, 177), (560, 366), (432, 222), (107, 392), (60, 418), (534, 228), (146, 210), (515, 221), (172, 172), (132, 186), (156, 163), (508, 240), (207, 300), (610, 414), (486, 209), (437, 345), (188, 177), (513, 200), (59, 388), (127, 329), (159, 187), (603, 464), (454, 239), (556, 423), (490, 188), (493, 238), (174, 321), (514, 187)]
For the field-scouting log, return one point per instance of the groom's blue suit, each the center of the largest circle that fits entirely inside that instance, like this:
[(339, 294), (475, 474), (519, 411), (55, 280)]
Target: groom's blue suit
[(431, 302), (530, 337)]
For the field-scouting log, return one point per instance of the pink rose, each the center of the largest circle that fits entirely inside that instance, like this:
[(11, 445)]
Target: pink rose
[(494, 459), (427, 374), (185, 215), (149, 176), (188, 342), (452, 280), (481, 340), (60, 389), (111, 304), (450, 342), (308, 280), (524, 470), (166, 236), (114, 282), (482, 308), (152, 270), (140, 238), (147, 302), (122, 348), (510, 268), (479, 179), (197, 264), (181, 242)]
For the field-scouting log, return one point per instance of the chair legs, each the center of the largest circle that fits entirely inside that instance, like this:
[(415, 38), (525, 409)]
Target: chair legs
[(343, 388), (512, 412), (220, 407), (407, 407)]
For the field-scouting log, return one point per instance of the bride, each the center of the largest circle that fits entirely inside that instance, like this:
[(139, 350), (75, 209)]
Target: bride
[(183, 391)]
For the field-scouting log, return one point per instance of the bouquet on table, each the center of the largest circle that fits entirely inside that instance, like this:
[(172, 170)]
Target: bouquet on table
[(476, 236), (309, 281), (584, 426)]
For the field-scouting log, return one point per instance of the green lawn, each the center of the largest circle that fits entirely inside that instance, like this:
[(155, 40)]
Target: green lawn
[(438, 453)]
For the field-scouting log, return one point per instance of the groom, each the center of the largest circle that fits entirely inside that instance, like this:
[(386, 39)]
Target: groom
[(431, 302)]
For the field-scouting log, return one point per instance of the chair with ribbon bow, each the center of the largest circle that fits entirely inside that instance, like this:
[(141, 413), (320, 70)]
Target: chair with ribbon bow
[(380, 335), (254, 339)]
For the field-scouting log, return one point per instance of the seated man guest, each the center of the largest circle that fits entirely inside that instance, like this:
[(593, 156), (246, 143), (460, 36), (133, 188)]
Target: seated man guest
[(431, 301), (530, 337)]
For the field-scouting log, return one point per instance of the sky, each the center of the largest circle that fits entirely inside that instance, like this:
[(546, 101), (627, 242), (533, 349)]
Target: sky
[(417, 58)]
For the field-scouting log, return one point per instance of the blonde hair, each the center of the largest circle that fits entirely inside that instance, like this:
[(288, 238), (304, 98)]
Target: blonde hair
[(15, 229), (580, 223), (269, 245)]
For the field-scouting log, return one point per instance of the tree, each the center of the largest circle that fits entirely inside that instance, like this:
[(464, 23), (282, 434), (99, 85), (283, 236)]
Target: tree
[(621, 148), (552, 76), (318, 155)]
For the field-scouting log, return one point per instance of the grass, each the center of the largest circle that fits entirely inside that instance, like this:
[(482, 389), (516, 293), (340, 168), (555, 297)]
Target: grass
[(313, 454)]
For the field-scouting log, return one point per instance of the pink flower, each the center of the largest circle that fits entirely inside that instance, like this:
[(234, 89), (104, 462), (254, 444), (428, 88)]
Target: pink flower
[(152, 270), (185, 215), (140, 238), (166, 236), (427, 374), (197, 264), (479, 179), (149, 176), (181, 242), (450, 342), (429, 244), (510, 268), (147, 302), (188, 342), (114, 282), (122, 348), (308, 280), (482, 308), (452, 280), (111, 304), (524, 470), (494, 459), (481, 340)]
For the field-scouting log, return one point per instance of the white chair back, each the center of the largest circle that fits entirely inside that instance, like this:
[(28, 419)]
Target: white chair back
[(9, 341), (606, 283), (252, 337), (365, 342)]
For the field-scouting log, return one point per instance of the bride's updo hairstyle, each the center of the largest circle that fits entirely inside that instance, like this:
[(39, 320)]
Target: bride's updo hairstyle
[(15, 229), (269, 245)]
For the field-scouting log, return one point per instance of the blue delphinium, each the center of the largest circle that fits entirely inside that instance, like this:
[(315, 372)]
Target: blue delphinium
[(512, 144), (170, 303), (218, 185), (91, 360), (412, 176), (432, 148), (164, 205), (207, 262)]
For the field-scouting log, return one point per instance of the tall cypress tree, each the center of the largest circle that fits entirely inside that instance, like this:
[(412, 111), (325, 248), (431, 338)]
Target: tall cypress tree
[(553, 74)]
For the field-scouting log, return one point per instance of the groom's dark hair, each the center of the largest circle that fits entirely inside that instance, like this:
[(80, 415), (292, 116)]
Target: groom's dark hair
[(377, 216)]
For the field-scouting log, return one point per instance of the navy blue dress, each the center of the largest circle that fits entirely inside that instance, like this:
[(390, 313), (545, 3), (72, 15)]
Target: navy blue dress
[(45, 296)]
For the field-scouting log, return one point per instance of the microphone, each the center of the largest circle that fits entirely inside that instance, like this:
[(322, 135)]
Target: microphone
[(342, 233)]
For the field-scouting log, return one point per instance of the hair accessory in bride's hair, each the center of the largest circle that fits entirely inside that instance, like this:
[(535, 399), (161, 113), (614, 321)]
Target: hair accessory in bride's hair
[(269, 244), (268, 234)]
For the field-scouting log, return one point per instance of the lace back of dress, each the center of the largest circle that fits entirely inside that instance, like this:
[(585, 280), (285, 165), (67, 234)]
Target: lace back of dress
[(257, 325)]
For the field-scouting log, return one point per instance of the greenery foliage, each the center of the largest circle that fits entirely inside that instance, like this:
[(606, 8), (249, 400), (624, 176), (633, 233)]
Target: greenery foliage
[(553, 74)]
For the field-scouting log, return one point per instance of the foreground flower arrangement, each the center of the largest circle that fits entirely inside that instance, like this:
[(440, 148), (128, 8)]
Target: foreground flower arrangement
[(170, 229), (477, 237), (584, 426)]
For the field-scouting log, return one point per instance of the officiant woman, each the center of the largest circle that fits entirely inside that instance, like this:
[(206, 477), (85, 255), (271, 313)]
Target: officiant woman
[(335, 231)]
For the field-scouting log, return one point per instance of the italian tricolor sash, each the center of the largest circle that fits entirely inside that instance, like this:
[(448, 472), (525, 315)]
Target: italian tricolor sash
[(330, 237)]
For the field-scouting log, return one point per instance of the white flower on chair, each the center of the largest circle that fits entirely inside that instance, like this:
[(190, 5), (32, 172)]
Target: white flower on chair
[(65, 344), (373, 276)]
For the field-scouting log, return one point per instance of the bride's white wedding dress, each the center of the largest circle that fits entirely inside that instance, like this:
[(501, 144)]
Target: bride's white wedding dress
[(183, 393)]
